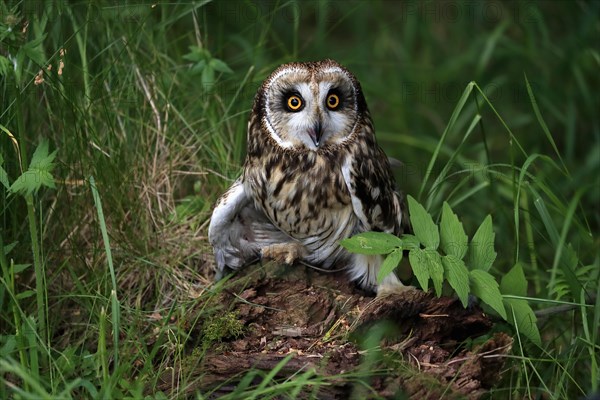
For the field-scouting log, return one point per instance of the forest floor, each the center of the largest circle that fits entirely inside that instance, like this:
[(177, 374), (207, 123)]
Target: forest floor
[(293, 319)]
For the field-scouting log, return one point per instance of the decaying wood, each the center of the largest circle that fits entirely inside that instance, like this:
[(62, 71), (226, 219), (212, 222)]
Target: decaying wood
[(322, 318)]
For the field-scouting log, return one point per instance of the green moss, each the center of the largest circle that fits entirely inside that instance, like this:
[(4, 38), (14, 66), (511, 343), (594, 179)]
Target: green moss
[(221, 326)]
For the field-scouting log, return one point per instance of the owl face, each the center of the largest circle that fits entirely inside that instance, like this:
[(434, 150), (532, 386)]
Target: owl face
[(310, 105)]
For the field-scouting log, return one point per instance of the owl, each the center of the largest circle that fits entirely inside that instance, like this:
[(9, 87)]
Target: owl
[(313, 175)]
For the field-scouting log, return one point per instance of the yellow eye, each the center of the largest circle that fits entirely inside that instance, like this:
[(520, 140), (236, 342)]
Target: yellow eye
[(333, 101), (294, 103)]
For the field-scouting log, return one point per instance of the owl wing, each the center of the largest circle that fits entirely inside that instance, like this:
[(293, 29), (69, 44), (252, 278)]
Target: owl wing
[(368, 176), (238, 230)]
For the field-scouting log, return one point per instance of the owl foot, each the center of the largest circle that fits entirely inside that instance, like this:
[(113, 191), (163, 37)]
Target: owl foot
[(386, 288), (283, 253)]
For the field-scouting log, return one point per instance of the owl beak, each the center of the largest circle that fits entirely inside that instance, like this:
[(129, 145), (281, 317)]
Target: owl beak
[(315, 133)]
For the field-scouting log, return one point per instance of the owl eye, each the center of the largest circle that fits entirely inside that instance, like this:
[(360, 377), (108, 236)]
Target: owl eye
[(294, 103), (333, 101)]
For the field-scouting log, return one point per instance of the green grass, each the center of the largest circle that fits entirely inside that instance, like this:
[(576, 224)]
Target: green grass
[(104, 279)]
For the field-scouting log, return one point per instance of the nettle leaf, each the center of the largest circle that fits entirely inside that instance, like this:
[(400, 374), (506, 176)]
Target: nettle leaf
[(481, 253), (372, 243), (436, 270), (457, 275), (410, 242), (520, 314), (514, 282), (39, 172), (425, 229), (522, 317), (484, 286), (427, 263), (453, 239), (389, 264), (419, 268)]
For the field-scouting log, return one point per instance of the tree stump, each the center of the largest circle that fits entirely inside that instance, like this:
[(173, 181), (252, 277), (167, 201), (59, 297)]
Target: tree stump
[(325, 322)]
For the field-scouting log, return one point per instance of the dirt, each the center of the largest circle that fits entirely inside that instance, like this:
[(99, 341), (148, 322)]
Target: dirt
[(323, 320)]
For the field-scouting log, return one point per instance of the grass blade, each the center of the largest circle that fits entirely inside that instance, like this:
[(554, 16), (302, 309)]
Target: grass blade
[(542, 123), (271, 375), (113, 294), (457, 110), (440, 178)]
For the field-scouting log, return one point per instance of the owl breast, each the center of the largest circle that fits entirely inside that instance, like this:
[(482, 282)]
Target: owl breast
[(304, 194)]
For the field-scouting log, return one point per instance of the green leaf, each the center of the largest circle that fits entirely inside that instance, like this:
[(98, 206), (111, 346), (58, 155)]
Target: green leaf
[(5, 65), (8, 248), (3, 175), (436, 270), (31, 181), (456, 113), (33, 50), (9, 344), (457, 275), (25, 294), (197, 54), (426, 263), (514, 282), (41, 159), (20, 267), (520, 314), (522, 317), (481, 249), (372, 243), (195, 57), (542, 123), (198, 67), (569, 277), (38, 174), (453, 239), (410, 242), (389, 264), (419, 268), (425, 229), (220, 66), (485, 287), (208, 78)]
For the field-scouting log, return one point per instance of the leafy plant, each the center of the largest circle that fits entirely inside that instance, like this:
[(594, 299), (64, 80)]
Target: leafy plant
[(27, 186), (206, 65), (38, 174), (444, 254)]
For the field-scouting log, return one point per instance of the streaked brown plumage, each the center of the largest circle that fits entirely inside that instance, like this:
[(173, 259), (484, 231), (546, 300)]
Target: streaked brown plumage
[(313, 176)]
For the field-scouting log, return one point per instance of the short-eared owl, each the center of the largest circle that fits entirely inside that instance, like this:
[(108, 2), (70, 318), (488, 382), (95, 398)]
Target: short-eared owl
[(313, 176)]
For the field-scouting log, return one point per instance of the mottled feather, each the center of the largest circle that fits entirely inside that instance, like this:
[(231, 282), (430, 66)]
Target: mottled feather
[(313, 175)]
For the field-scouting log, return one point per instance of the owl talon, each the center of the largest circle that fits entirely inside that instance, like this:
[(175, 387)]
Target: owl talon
[(283, 253), (395, 288)]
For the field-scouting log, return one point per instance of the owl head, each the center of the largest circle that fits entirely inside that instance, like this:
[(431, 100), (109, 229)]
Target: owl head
[(310, 105)]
